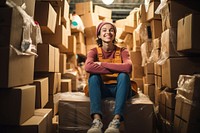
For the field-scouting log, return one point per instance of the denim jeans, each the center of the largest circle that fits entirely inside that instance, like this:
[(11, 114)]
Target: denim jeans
[(121, 91)]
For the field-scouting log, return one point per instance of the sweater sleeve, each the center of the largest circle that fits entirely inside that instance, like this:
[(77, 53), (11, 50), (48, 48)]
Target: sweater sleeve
[(125, 66), (92, 67)]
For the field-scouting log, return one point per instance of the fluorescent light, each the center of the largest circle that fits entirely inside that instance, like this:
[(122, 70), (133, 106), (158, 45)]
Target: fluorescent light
[(107, 2)]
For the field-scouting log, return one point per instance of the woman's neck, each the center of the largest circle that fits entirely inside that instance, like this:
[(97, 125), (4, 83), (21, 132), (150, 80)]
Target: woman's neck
[(108, 47)]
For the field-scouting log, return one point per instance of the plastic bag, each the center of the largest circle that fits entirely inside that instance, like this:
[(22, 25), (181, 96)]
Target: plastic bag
[(77, 23)]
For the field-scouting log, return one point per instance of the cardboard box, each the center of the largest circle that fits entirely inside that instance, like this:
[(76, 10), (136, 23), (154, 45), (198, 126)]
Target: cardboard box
[(90, 32), (54, 80), (66, 85), (188, 34), (81, 49), (102, 12), (172, 12), (71, 45), (188, 87), (156, 28), (138, 111), (169, 44), (80, 37), (187, 110), (59, 39), (40, 122), (84, 7), (46, 58), (46, 16), (63, 61), (173, 67), (151, 11), (16, 70), (90, 19), (18, 104), (42, 92), (180, 126)]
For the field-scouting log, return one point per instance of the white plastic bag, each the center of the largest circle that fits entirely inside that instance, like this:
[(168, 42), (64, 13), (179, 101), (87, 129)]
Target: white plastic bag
[(77, 23)]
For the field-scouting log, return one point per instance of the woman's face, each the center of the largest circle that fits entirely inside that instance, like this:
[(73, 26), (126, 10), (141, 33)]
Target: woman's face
[(107, 33)]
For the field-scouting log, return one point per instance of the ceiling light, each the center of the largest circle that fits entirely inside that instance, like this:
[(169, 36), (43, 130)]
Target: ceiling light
[(107, 2)]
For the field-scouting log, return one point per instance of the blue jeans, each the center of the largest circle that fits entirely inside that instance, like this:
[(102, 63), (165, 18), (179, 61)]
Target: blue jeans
[(121, 91)]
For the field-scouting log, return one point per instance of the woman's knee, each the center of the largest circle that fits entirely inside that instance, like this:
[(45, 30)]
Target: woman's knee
[(123, 76), (94, 78)]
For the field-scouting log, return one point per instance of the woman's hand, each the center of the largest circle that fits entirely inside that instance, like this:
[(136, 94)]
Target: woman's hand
[(98, 63)]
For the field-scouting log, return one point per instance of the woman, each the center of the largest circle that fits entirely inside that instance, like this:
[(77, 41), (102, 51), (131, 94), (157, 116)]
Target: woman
[(109, 67)]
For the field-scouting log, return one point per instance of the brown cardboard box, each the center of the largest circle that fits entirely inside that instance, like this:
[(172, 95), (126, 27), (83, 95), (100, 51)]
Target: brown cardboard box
[(66, 85), (71, 45), (151, 11), (59, 39), (54, 80), (16, 70), (169, 44), (84, 7), (80, 38), (137, 71), (166, 113), (187, 110), (90, 19), (138, 111), (81, 49), (18, 104), (63, 61), (53, 102), (90, 32), (42, 92), (46, 16), (141, 14), (57, 59), (173, 67), (172, 12), (181, 126), (64, 11), (102, 12), (188, 87), (188, 34), (156, 28), (40, 122), (46, 58)]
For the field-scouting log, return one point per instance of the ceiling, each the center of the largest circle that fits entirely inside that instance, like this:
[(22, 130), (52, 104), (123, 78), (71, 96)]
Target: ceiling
[(120, 8)]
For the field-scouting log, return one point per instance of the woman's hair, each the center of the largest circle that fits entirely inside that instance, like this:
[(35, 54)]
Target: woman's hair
[(99, 40)]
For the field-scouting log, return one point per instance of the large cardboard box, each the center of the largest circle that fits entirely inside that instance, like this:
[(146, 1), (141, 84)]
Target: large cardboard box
[(90, 19), (18, 104), (181, 126), (188, 87), (16, 70), (45, 62), (174, 11), (71, 45), (63, 62), (188, 34), (42, 92), (84, 7), (54, 80), (59, 39), (138, 111), (173, 67), (187, 110), (151, 11), (102, 12), (46, 16), (40, 122)]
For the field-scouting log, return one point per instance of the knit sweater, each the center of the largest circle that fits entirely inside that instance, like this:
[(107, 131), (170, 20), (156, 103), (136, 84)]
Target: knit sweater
[(106, 67)]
